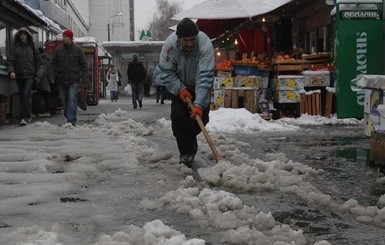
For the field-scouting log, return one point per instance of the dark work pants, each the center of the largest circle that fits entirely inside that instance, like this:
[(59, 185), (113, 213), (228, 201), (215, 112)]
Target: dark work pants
[(137, 93), (47, 100), (161, 93), (184, 128)]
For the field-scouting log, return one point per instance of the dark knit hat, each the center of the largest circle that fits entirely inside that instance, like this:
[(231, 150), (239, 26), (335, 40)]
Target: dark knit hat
[(69, 34), (186, 28)]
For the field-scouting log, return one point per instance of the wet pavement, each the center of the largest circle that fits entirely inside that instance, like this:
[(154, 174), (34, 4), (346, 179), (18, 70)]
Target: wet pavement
[(340, 151)]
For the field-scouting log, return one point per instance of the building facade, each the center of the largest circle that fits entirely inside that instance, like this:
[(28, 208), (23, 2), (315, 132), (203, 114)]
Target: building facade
[(45, 19), (110, 20)]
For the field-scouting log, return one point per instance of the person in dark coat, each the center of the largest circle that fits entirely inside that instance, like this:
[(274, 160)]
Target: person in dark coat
[(44, 86), (70, 71), (26, 66), (147, 85), (136, 74), (187, 71)]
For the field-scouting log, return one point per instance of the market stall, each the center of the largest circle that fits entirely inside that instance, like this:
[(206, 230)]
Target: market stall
[(259, 58), (285, 86)]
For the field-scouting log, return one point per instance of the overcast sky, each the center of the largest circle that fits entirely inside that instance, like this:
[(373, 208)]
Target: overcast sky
[(145, 9)]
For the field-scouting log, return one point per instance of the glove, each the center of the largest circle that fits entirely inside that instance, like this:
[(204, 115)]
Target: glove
[(183, 94), (196, 111)]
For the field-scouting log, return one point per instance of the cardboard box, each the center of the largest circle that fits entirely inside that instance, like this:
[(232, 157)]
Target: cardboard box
[(223, 73), (228, 98), (373, 98), (381, 112), (316, 78), (247, 98), (223, 82), (287, 96), (251, 99), (219, 98), (371, 121), (288, 82), (247, 81)]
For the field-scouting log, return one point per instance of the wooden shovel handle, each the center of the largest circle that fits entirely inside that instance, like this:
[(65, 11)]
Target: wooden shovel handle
[(205, 133)]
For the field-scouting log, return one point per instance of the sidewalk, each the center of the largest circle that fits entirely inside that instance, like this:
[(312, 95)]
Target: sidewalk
[(150, 107)]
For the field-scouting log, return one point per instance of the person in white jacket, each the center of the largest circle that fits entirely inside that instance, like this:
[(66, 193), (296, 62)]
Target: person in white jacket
[(187, 71), (112, 79)]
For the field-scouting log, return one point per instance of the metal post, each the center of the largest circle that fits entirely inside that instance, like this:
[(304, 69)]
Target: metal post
[(108, 32)]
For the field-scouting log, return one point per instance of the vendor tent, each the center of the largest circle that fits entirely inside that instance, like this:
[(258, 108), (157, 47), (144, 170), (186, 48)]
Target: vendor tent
[(230, 9)]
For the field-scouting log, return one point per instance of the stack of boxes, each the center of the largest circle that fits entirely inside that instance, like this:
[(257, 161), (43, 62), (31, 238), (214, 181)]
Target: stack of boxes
[(311, 102), (244, 90), (222, 81), (287, 88), (372, 114), (316, 78)]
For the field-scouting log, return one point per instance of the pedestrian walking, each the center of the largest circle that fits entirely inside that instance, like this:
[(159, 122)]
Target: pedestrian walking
[(112, 78), (119, 82), (187, 71), (26, 66), (147, 85), (44, 86), (161, 91), (136, 74), (70, 72)]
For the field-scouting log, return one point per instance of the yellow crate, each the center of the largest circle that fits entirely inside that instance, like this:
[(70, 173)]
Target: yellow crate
[(287, 96), (223, 82), (289, 82), (248, 81)]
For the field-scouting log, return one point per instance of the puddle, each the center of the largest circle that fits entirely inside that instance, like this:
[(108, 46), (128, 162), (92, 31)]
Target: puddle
[(354, 154)]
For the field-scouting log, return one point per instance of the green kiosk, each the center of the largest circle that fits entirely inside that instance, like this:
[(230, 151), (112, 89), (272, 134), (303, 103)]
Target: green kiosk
[(359, 49)]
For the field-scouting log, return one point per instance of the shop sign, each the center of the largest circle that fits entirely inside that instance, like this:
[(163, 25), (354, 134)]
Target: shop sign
[(361, 63), (360, 15)]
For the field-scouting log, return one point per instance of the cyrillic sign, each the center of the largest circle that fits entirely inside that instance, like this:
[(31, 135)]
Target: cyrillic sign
[(361, 15), (361, 63)]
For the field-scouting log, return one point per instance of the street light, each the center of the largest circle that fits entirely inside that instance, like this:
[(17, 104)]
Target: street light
[(109, 26)]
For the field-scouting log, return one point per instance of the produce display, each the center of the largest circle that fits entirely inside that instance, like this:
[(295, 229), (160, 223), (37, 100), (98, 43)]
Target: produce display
[(278, 81)]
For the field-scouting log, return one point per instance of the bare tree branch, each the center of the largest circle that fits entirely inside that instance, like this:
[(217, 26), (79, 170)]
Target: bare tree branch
[(160, 22)]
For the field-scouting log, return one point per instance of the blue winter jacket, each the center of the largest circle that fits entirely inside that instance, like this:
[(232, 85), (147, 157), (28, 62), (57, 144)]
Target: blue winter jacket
[(194, 71)]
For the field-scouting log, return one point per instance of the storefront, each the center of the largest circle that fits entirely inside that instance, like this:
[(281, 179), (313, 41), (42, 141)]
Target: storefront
[(14, 15)]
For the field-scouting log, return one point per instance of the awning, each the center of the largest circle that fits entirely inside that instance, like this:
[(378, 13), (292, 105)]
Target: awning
[(15, 13), (230, 9)]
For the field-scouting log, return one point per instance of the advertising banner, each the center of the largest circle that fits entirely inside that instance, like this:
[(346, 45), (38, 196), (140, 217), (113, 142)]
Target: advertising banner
[(359, 51)]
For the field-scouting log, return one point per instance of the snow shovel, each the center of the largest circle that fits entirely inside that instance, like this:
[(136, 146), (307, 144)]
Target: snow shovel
[(204, 131)]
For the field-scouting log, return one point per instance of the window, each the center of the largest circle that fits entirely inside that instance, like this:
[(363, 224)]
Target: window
[(3, 37)]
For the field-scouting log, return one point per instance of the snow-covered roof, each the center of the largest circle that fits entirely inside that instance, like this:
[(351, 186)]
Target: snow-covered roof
[(230, 9), (49, 23), (354, 5), (359, 1), (133, 44)]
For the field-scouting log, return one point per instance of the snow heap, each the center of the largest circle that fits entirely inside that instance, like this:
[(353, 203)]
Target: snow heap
[(120, 147), (240, 223), (152, 233)]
